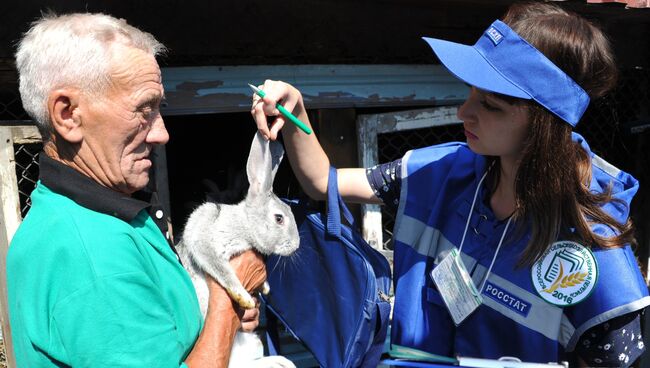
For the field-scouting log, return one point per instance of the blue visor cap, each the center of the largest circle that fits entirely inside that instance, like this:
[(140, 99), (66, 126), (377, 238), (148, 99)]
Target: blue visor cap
[(503, 62)]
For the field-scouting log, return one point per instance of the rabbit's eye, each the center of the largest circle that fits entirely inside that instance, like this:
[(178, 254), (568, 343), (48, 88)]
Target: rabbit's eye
[(279, 219)]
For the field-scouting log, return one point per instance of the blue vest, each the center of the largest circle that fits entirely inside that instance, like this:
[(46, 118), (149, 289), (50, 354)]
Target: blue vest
[(438, 185)]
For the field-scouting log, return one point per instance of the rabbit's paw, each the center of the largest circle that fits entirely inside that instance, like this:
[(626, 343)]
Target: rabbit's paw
[(275, 361), (244, 300)]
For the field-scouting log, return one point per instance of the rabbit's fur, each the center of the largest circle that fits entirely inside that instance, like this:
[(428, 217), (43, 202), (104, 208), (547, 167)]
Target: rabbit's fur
[(215, 232)]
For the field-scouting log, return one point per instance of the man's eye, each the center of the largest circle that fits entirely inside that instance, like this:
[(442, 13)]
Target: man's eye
[(147, 111)]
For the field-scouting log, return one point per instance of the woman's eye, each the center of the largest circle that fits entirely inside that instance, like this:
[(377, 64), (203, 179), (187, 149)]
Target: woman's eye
[(489, 107)]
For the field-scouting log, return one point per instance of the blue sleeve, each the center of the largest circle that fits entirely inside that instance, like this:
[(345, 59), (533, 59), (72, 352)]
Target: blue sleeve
[(386, 182), (620, 290), (615, 343)]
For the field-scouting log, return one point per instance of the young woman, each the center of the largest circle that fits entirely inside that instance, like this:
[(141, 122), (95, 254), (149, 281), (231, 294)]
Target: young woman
[(534, 220)]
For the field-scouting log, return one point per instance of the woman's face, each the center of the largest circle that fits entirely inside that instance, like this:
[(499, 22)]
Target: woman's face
[(494, 126)]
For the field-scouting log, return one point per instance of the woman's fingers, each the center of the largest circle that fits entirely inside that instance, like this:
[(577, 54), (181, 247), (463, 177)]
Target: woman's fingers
[(268, 119)]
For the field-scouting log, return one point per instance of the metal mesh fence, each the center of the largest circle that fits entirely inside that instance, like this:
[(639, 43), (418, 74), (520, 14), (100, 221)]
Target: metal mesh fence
[(612, 126), (26, 172), (26, 155)]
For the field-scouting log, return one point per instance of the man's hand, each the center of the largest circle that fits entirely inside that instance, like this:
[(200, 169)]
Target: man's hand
[(250, 269), (224, 316), (251, 318), (251, 272)]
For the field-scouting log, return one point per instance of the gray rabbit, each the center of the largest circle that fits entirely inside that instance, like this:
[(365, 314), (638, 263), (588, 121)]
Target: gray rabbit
[(215, 232)]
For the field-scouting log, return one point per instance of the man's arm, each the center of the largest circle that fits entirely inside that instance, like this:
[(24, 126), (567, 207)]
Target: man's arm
[(223, 319)]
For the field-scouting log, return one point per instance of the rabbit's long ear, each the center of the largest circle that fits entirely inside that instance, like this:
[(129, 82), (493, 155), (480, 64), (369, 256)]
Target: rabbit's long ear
[(277, 153), (263, 161)]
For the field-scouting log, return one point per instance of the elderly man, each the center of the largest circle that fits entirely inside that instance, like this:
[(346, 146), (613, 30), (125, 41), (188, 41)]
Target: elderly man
[(92, 280)]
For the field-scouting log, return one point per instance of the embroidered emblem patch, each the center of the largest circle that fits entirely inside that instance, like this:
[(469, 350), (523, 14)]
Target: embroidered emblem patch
[(566, 274), (494, 35)]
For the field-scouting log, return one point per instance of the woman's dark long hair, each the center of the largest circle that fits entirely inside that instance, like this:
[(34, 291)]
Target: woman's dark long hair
[(552, 182)]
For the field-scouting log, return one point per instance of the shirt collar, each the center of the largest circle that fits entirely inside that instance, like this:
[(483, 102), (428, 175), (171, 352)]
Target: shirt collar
[(67, 181)]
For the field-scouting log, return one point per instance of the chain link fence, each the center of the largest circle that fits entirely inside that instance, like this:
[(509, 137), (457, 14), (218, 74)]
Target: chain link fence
[(26, 155), (26, 172)]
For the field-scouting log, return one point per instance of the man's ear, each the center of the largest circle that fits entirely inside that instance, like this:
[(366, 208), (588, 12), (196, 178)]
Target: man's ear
[(62, 105)]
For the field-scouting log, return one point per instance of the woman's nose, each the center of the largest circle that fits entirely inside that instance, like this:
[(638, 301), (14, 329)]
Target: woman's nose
[(462, 112), (467, 110)]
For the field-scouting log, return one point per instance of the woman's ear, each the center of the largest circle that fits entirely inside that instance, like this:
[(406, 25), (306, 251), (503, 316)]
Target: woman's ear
[(62, 106)]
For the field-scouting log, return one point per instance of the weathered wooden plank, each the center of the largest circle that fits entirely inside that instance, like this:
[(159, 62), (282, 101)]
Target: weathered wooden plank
[(371, 228), (202, 90), (9, 220), (25, 134)]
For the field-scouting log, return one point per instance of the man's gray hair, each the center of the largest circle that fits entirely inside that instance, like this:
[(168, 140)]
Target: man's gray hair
[(71, 51)]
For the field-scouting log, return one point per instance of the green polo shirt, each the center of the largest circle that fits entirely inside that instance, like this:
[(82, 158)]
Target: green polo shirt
[(96, 287)]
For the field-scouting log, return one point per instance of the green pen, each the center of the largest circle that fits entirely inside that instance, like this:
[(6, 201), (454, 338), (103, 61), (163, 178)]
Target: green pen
[(283, 111)]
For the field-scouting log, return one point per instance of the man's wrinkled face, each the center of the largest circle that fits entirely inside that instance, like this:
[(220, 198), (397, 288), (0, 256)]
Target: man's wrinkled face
[(121, 126)]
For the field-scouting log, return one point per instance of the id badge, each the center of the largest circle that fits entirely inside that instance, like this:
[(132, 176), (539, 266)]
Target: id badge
[(456, 287)]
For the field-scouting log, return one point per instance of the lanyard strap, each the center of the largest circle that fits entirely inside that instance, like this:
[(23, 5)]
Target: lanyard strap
[(469, 216), (503, 235)]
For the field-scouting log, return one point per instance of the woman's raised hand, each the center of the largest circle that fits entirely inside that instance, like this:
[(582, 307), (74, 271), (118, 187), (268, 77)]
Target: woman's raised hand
[(267, 117)]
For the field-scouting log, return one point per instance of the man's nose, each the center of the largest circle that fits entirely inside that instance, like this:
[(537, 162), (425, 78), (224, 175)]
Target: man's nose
[(158, 133)]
